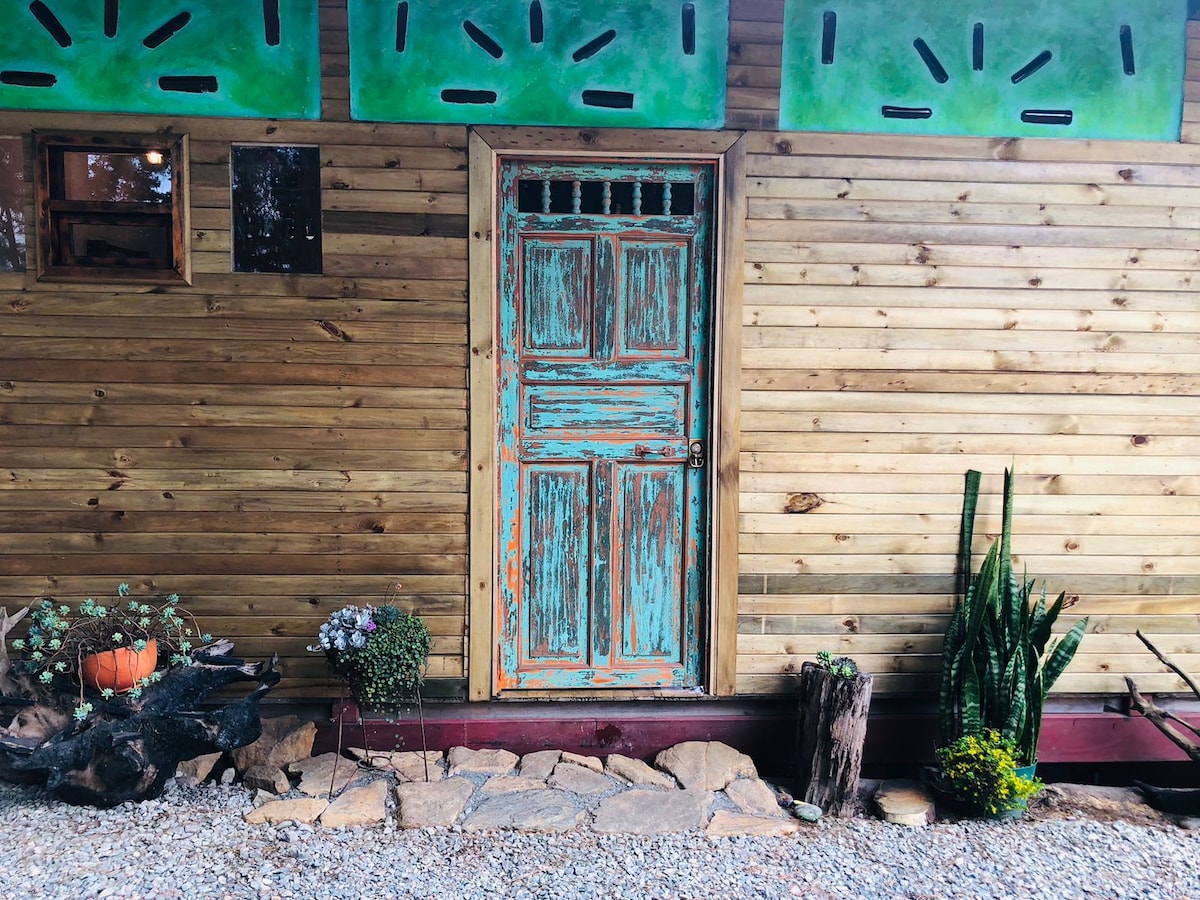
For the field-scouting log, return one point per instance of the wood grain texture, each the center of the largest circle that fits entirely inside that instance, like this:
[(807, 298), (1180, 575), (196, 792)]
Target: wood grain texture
[(271, 447), (918, 306), (275, 446)]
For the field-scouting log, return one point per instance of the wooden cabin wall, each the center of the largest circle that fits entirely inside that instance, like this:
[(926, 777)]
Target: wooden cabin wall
[(915, 307), (270, 447)]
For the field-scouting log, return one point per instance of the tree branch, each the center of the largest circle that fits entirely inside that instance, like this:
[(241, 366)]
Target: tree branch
[(1187, 679), (1160, 718)]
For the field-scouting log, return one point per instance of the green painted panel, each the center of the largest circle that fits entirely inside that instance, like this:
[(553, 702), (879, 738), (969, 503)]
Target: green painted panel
[(182, 57), (657, 63), (1019, 68)]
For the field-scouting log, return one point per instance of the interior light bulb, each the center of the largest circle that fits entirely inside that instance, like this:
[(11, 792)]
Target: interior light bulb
[(154, 157)]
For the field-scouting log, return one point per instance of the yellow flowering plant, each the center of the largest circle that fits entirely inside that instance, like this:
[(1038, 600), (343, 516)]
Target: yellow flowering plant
[(980, 771)]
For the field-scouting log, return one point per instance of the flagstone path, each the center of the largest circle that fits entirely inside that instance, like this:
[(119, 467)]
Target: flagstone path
[(695, 786)]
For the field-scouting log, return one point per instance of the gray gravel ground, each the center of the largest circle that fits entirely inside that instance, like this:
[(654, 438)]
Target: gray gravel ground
[(192, 843)]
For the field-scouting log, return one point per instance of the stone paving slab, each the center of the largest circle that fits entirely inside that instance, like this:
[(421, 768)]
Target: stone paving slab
[(540, 763), (425, 804), (364, 804), (578, 780), (646, 811), (729, 824), (544, 810), (701, 787)]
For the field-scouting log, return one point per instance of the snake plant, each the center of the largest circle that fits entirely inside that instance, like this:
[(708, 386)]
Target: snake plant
[(996, 666)]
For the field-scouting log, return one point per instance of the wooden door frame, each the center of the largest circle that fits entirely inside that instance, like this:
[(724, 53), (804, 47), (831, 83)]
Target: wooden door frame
[(726, 151)]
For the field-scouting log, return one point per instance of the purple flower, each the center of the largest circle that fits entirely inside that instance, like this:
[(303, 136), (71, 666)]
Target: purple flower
[(370, 626)]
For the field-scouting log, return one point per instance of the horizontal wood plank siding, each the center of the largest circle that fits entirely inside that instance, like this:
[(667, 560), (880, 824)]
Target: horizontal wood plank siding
[(918, 306), (270, 447)]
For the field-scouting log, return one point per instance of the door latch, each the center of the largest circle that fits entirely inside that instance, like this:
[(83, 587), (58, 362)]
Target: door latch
[(696, 454)]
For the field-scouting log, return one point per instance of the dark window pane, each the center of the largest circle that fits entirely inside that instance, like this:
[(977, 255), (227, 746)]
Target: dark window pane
[(276, 209), (111, 205), (112, 242), (136, 177), (12, 205)]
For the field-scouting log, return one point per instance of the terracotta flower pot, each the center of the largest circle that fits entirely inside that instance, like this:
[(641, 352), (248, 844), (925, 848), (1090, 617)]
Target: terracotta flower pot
[(119, 669)]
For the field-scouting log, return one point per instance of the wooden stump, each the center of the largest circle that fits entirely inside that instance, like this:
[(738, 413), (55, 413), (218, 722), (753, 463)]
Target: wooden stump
[(832, 729), (130, 747)]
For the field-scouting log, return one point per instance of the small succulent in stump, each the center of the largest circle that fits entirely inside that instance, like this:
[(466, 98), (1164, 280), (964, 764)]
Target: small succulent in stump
[(841, 666), (834, 699), (60, 639)]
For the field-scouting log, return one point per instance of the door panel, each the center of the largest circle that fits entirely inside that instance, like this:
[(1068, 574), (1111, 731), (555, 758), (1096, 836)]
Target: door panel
[(656, 326), (604, 323), (651, 501), (558, 298), (557, 600)]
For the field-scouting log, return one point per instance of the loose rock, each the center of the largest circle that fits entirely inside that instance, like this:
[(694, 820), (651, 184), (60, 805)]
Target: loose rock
[(303, 809), (200, 767), (464, 760), (540, 763), (361, 805), (705, 765), (727, 824), (267, 778), (904, 802), (644, 811), (753, 797), (588, 762), (434, 803), (543, 810), (324, 775), (508, 784), (637, 772), (284, 740), (578, 780)]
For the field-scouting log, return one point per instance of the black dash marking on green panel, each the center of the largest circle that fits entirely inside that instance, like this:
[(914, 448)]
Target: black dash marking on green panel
[(608, 99), (27, 79), (477, 34), (977, 47), (906, 112), (401, 26), (166, 31), (936, 69), (189, 84), (688, 16), (454, 96), (537, 23), (1032, 66), (50, 22), (1047, 116), (110, 18), (271, 22), (828, 37), (594, 46), (1127, 50)]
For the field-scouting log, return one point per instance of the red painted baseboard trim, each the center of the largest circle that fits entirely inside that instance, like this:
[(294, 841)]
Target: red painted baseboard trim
[(765, 730)]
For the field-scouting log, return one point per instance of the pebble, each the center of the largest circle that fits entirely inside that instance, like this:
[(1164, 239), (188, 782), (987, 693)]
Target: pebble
[(193, 843)]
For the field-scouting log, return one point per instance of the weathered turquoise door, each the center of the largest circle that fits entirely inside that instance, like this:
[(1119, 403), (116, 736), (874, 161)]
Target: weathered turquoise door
[(605, 281)]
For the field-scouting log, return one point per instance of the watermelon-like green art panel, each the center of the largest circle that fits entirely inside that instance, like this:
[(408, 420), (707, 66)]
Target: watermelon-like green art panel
[(1019, 68), (657, 63), (178, 57)]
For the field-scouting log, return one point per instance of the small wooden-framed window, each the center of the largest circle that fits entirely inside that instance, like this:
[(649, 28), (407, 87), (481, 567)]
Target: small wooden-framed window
[(276, 201), (112, 207), (12, 204)]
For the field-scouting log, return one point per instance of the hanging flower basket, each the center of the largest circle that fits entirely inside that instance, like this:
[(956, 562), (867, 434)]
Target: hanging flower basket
[(120, 669)]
